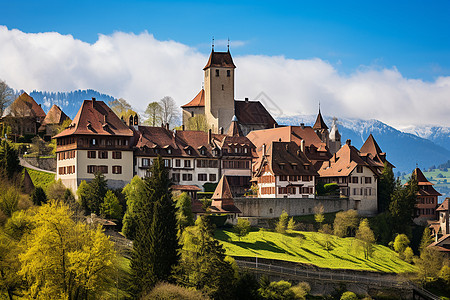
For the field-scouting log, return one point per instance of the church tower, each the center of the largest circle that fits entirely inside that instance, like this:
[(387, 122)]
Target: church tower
[(219, 90), (335, 138), (321, 128)]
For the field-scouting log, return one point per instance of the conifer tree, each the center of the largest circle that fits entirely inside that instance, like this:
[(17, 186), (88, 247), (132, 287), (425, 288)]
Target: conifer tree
[(155, 247), (386, 185), (135, 193)]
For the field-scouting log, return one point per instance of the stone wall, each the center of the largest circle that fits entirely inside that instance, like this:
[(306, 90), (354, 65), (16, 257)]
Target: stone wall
[(273, 207), (48, 164)]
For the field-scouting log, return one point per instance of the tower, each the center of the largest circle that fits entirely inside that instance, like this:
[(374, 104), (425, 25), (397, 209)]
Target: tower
[(219, 90), (335, 138), (321, 128)]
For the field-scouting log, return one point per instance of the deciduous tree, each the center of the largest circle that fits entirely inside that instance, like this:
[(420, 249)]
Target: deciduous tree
[(346, 223), (242, 228), (111, 207), (185, 217), (6, 96), (365, 235), (153, 112), (282, 222)]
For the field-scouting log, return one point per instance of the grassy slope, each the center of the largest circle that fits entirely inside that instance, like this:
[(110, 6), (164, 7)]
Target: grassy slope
[(41, 179), (306, 247)]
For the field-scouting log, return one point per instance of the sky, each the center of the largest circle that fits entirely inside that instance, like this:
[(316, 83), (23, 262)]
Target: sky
[(388, 60)]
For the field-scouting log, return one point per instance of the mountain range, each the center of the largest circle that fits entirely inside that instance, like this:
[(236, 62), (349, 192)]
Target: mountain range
[(421, 145)]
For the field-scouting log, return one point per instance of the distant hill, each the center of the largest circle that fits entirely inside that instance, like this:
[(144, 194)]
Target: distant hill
[(404, 150), (69, 102), (436, 134)]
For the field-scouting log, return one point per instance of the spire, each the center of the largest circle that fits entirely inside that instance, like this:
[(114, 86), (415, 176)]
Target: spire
[(320, 124), (228, 45), (213, 44), (235, 129), (371, 146), (223, 191)]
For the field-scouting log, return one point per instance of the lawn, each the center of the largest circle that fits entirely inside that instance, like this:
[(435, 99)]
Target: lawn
[(308, 248), (41, 179)]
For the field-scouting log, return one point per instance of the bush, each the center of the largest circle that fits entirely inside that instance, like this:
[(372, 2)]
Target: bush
[(38, 197), (349, 296), (167, 291), (400, 243), (242, 228), (282, 222)]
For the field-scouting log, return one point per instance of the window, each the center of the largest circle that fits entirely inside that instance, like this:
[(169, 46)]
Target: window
[(117, 169), (103, 154), (91, 154), (202, 177), (217, 73), (359, 169), (368, 180), (91, 169), (169, 151), (177, 163), (223, 87), (187, 163), (187, 177), (202, 151), (145, 162), (354, 180), (208, 163), (212, 177), (355, 192), (176, 177), (228, 73), (117, 155), (283, 178), (93, 142), (166, 163), (192, 114)]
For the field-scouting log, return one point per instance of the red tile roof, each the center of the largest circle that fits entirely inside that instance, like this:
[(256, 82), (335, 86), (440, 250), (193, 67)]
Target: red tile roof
[(235, 129), (220, 59), (371, 147), (25, 106), (222, 199), (198, 100), (180, 187), (421, 179), (444, 205), (95, 117), (55, 116), (253, 113)]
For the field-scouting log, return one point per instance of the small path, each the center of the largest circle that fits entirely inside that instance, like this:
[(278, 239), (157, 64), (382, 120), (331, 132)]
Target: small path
[(25, 164)]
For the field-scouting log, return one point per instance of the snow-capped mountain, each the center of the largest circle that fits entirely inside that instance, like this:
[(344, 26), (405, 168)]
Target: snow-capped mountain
[(439, 135), (403, 149)]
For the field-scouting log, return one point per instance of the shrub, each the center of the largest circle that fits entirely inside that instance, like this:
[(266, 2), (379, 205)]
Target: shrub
[(282, 222), (242, 228), (167, 291), (349, 296)]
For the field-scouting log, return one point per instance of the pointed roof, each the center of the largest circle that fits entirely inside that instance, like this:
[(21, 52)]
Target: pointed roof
[(334, 132), (421, 179), (55, 116), (25, 106), (223, 190), (320, 124), (95, 117), (371, 146), (444, 205), (235, 129), (198, 100), (220, 60), (253, 113)]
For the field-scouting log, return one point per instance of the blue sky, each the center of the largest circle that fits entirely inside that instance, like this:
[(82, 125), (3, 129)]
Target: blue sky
[(413, 36)]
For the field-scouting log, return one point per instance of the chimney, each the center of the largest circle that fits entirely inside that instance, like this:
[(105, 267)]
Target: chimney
[(221, 130), (209, 136), (302, 146), (93, 99), (39, 105), (348, 142), (302, 125), (275, 125), (182, 127), (246, 99), (167, 126)]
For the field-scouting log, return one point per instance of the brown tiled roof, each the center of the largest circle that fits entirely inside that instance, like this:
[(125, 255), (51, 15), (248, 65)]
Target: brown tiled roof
[(235, 129), (222, 199), (198, 100), (439, 244), (180, 187), (320, 124), (95, 117), (55, 116), (344, 162), (371, 147), (444, 205), (25, 106), (285, 158), (253, 113), (220, 59), (421, 179)]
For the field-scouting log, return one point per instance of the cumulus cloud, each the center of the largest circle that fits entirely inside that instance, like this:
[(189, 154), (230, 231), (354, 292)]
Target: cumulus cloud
[(142, 69)]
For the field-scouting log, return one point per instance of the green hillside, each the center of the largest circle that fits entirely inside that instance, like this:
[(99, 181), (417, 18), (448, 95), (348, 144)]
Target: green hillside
[(41, 179), (308, 248)]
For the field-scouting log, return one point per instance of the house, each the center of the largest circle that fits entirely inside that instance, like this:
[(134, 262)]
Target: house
[(96, 141), (216, 103), (24, 116), (282, 170), (355, 176), (52, 121), (427, 199), (441, 228), (223, 203)]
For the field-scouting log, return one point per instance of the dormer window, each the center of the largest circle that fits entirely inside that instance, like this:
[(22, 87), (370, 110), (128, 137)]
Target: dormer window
[(169, 151), (202, 151), (217, 73), (228, 73)]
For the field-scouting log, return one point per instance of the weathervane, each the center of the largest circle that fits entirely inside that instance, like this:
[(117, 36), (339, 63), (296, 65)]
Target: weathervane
[(213, 43), (228, 45)]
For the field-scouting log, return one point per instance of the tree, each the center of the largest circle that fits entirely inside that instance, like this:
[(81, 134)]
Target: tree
[(11, 282), (9, 160), (401, 242), (9, 199), (426, 240), (154, 114), (38, 196), (111, 207), (428, 265), (56, 190), (283, 290), (82, 193), (94, 193), (64, 259), (291, 224), (135, 192), (318, 214), (155, 247), (282, 222), (185, 217), (345, 223), (119, 106), (402, 204), (242, 228), (408, 255), (168, 110), (365, 235), (6, 96), (39, 147), (386, 185), (197, 122), (203, 263)]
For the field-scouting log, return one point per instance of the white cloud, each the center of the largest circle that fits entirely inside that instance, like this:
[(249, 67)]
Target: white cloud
[(141, 69)]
